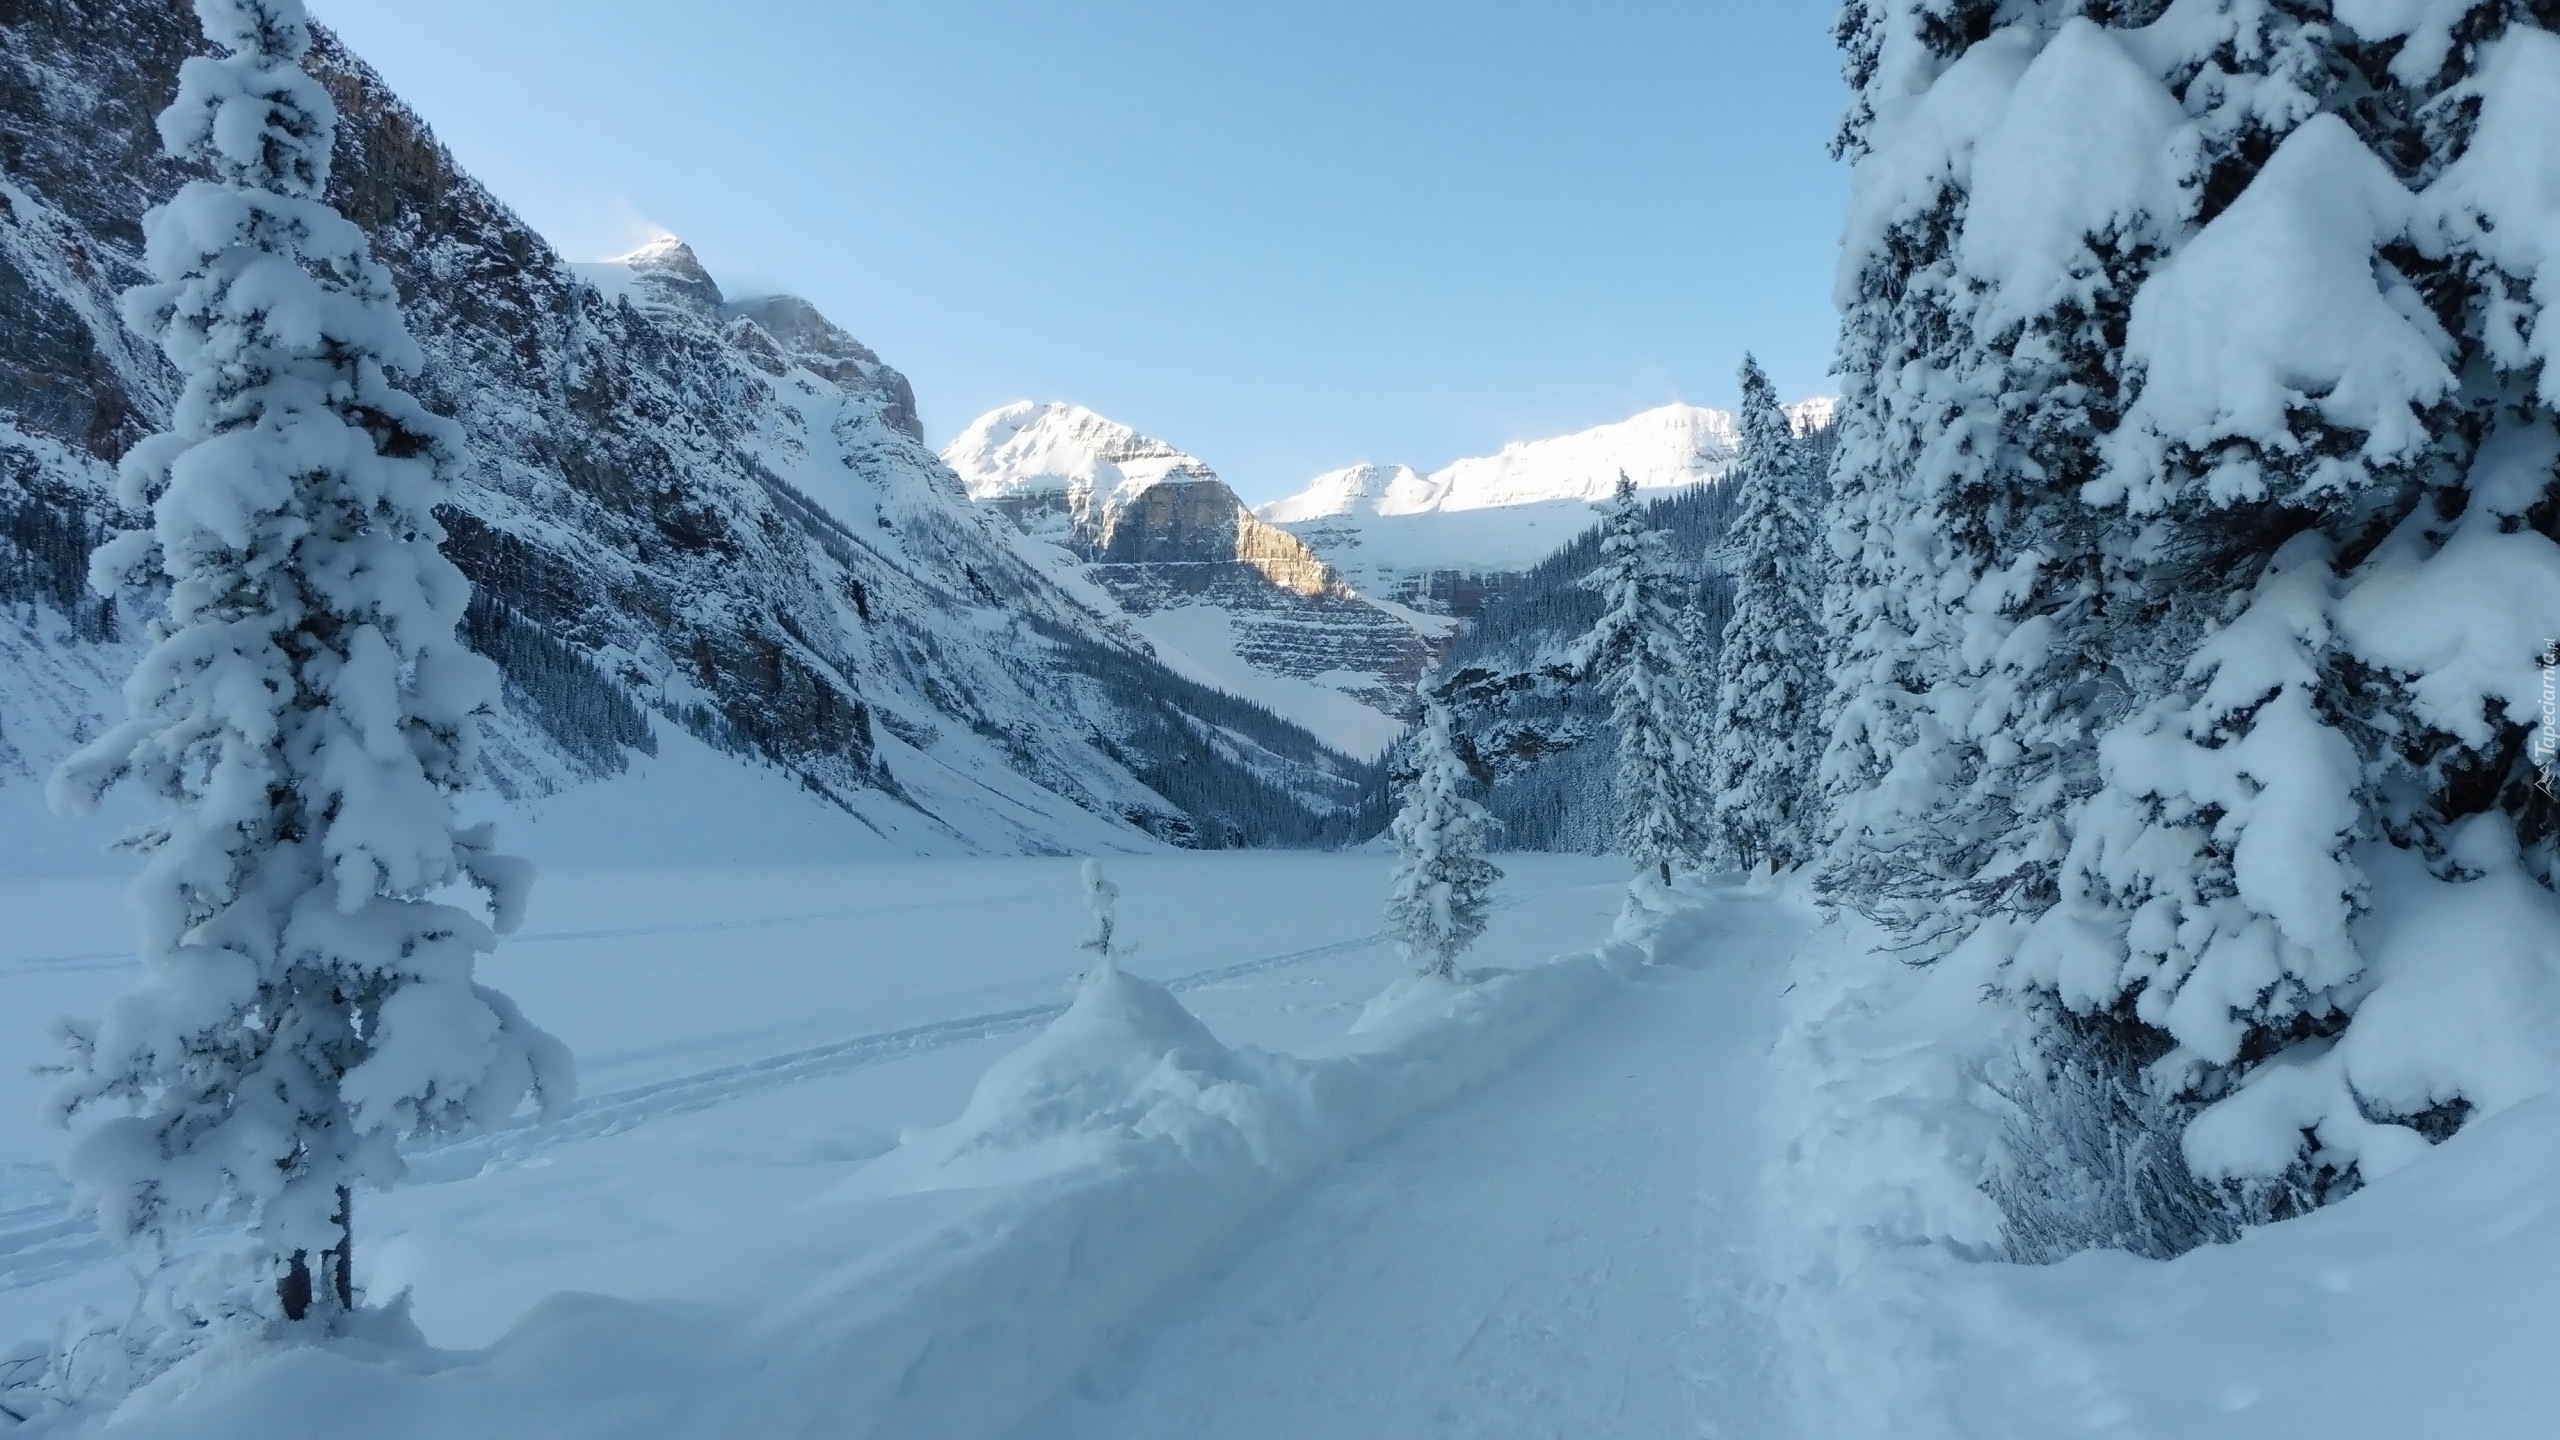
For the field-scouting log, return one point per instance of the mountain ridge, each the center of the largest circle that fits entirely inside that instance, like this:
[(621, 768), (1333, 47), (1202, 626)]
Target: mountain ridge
[(712, 515), (1221, 594), (1396, 531)]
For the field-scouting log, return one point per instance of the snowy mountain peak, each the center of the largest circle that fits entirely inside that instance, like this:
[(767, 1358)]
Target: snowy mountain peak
[(1666, 447), (778, 332), (1807, 416), (1225, 597), (665, 253), (667, 281), (1388, 528), (664, 274), (1353, 490), (1030, 448), (1660, 448)]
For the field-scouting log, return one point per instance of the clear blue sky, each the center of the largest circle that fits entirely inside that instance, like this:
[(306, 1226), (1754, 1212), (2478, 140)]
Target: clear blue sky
[(1283, 234)]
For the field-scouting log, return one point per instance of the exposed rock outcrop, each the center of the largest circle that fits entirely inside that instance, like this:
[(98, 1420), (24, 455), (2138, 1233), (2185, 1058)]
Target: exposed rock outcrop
[(720, 510), (1162, 533)]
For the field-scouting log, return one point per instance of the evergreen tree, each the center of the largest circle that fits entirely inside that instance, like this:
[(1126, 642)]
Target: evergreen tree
[(1982, 621), (1635, 653), (2346, 474), (1443, 885), (1766, 732), (306, 714), (2170, 510)]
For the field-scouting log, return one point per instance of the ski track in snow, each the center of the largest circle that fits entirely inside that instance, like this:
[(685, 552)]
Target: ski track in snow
[(1565, 1253), (116, 959), (40, 1241)]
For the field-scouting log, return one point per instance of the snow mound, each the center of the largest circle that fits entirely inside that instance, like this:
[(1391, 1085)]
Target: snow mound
[(969, 1273), (2414, 1306), (1411, 1000), (1126, 1061)]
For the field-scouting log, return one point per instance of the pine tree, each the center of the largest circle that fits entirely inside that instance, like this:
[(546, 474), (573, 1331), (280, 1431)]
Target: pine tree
[(1979, 611), (2348, 481), (1766, 733), (1443, 885), (2171, 511), (1903, 329), (306, 714), (1636, 655)]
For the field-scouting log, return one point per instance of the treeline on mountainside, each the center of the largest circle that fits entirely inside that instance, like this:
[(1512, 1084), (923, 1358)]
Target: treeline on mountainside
[(1209, 753), (558, 688), (1546, 762), (46, 534)]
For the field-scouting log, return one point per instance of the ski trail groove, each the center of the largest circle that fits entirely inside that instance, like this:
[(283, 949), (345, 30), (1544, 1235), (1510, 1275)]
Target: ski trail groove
[(117, 959), (41, 1241)]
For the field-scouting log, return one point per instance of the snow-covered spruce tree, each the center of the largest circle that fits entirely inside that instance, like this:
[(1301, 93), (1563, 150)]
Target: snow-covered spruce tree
[(2244, 280), (1766, 731), (2012, 194), (306, 714), (1982, 616), (1636, 654), (2353, 469), (1443, 885), (1905, 341), (1700, 634)]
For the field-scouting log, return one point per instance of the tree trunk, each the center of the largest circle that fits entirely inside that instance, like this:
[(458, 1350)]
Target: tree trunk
[(337, 1265), (345, 1253), (294, 1289)]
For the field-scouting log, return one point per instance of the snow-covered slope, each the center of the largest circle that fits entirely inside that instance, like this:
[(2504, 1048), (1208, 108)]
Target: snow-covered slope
[(1388, 528), (804, 1192), (685, 513), (1224, 598)]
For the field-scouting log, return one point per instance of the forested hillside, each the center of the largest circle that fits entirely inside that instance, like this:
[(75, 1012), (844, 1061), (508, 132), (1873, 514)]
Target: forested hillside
[(1545, 755)]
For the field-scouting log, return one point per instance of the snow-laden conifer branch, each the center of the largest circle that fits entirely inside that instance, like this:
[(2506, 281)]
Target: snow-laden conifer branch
[(1442, 888), (1636, 655), (305, 714), (1765, 735)]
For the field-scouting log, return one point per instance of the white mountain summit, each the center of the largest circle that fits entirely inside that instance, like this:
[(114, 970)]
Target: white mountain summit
[(1056, 466), (1224, 597), (1388, 528), (1313, 605)]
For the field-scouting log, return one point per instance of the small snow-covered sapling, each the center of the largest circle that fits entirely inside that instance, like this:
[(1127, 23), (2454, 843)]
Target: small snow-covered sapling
[(1099, 895)]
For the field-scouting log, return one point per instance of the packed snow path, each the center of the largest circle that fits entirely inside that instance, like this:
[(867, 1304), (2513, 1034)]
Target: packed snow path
[(1565, 1253)]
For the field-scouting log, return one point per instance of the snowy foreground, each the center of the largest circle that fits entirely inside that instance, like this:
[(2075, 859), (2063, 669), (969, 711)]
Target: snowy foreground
[(849, 1164)]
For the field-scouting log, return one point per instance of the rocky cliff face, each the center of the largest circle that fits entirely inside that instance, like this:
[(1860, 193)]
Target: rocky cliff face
[(1221, 592), (717, 512)]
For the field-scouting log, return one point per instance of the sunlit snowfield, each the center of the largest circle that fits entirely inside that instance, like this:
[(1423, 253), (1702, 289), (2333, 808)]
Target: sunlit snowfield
[(746, 1037), (843, 1164)]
